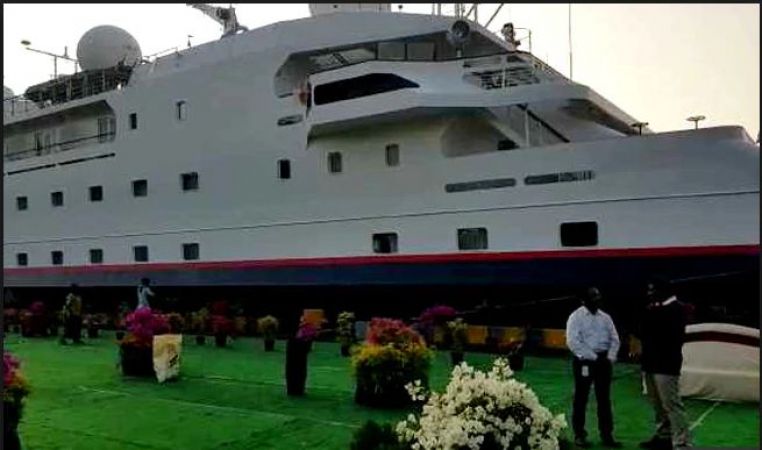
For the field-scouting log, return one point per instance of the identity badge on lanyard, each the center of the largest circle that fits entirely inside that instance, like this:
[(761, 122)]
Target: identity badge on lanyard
[(585, 371)]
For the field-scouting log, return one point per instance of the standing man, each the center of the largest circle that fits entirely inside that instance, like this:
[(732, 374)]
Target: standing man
[(72, 316), (144, 291), (594, 342), (662, 337)]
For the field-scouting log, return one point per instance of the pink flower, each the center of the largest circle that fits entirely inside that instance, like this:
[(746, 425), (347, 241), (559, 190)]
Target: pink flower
[(10, 366)]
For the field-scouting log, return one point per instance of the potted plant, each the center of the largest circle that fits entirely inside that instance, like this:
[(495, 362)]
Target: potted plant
[(297, 350), (15, 389), (136, 348), (345, 331), (457, 329), (392, 355), (221, 328), (433, 323), (268, 326), (481, 410), (198, 324)]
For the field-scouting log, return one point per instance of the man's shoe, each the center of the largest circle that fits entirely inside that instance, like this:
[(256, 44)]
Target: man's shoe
[(582, 442), (609, 442), (657, 443)]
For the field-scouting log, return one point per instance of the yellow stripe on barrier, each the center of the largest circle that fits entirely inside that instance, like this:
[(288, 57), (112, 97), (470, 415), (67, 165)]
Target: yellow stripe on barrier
[(554, 339), (476, 334), (315, 317)]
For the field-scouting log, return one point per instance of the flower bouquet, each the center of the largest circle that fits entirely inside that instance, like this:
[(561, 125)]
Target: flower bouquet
[(392, 355), (222, 327), (345, 331), (297, 350), (481, 410), (136, 348), (268, 326), (433, 323), (15, 389)]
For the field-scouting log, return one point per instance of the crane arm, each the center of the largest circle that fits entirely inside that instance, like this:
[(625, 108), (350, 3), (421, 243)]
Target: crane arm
[(224, 16)]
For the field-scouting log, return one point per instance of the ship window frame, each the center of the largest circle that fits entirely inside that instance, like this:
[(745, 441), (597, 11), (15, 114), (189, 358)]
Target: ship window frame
[(392, 154), (385, 243), (106, 129), (360, 87), (57, 257), (140, 253), (181, 110), (22, 259), (136, 188), (335, 162), (579, 234), (191, 251), (189, 181), (96, 256), (95, 193), (57, 199), (284, 169), (22, 203), (471, 239), (133, 121)]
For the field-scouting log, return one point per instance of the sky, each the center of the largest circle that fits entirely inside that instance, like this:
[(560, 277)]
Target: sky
[(661, 63)]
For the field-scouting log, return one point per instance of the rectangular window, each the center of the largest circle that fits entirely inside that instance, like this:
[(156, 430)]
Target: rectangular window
[(181, 110), (22, 203), (385, 243), (56, 257), (472, 239), (391, 50), (334, 162), (96, 256), (139, 188), (579, 234), (140, 253), (133, 121), (106, 129), (57, 198), (189, 181), (38, 142), (190, 252), (96, 193), (48, 142), (22, 259), (392, 155), (284, 169)]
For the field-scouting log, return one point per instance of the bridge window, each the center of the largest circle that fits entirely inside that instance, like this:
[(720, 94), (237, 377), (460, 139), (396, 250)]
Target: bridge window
[(140, 253), (56, 257), (334, 162), (57, 198), (189, 181), (362, 86), (579, 234), (472, 239), (22, 259), (96, 193), (284, 169), (385, 243), (106, 129), (22, 203), (139, 188), (133, 121), (181, 110), (190, 252), (96, 256)]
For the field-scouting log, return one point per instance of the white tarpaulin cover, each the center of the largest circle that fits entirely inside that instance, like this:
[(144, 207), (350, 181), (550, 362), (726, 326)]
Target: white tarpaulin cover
[(166, 356), (721, 362)]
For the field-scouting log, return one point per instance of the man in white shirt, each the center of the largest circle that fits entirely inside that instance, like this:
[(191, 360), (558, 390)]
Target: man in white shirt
[(144, 291), (594, 342)]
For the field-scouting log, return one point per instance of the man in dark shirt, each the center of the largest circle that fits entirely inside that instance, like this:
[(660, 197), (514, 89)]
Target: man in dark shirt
[(662, 337)]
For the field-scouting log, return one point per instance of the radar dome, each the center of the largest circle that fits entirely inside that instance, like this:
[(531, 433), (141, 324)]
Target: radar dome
[(106, 46), (7, 92)]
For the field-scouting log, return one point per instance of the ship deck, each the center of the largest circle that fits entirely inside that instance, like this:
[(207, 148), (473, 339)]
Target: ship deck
[(234, 398)]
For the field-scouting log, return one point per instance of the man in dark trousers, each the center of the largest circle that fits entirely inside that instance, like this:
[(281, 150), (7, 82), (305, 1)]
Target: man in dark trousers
[(72, 316), (662, 336), (594, 342)]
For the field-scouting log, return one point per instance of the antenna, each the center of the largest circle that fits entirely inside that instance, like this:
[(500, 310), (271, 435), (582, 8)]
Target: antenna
[(571, 72), (695, 120), (26, 43)]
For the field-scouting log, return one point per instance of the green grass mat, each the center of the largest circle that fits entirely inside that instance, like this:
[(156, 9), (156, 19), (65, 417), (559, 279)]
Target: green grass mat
[(234, 398)]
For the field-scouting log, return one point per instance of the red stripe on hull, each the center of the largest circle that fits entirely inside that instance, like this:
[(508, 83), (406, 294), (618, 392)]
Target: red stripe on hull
[(659, 252)]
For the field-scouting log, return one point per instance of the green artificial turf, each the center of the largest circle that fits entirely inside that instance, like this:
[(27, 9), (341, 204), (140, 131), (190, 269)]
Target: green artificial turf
[(234, 398)]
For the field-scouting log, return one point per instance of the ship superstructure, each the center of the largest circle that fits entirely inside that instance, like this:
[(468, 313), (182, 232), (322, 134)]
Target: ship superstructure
[(362, 148)]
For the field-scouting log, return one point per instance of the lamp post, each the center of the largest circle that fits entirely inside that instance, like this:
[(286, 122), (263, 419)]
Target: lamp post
[(695, 120), (639, 126), (65, 56)]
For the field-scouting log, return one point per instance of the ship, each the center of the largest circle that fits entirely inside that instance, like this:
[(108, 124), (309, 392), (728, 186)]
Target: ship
[(369, 160)]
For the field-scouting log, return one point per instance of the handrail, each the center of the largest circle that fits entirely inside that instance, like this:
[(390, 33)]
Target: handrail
[(45, 150)]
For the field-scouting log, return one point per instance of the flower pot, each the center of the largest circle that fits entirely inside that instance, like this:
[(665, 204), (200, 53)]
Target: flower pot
[(456, 357), (269, 345), (200, 340), (92, 333), (516, 361), (137, 361), (345, 349), (220, 340), (11, 418), (296, 366)]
